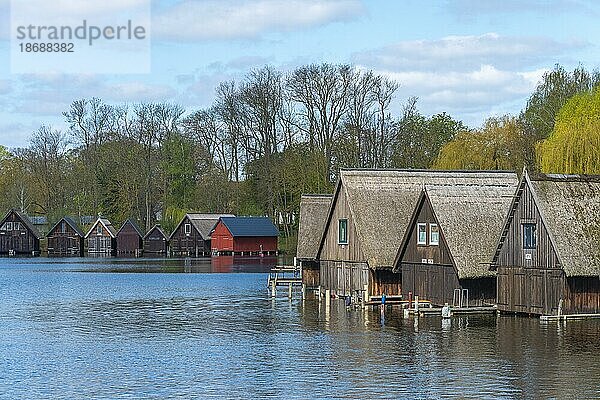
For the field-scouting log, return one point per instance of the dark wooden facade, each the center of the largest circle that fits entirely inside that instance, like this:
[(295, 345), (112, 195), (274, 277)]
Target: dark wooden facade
[(101, 239), (130, 239), (18, 236), (156, 242), (428, 270), (65, 239), (244, 236), (533, 280), (187, 240)]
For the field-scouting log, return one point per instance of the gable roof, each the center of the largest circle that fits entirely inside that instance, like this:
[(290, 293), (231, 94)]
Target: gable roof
[(569, 206), (470, 218), (134, 225), (313, 216), (157, 228), (71, 223), (383, 201), (250, 226), (203, 223), (25, 220), (106, 223)]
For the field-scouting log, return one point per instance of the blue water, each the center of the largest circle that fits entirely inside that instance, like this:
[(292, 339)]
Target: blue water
[(98, 328)]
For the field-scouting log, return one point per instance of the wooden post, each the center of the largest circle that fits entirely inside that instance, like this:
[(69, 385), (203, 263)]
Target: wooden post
[(290, 290), (303, 290), (416, 304), (273, 288), (327, 298), (366, 287)]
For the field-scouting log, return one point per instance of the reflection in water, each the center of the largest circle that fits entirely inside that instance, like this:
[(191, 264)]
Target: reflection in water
[(69, 333)]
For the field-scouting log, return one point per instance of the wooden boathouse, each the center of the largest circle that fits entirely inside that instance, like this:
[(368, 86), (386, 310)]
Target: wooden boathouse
[(101, 238), (314, 209), (65, 238), (130, 239), (446, 251), (548, 254), (191, 237), (366, 223), (156, 242), (18, 236), (244, 236)]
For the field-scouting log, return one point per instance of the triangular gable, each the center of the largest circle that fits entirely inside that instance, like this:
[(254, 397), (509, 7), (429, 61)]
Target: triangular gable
[(155, 228), (135, 227), (69, 222), (106, 224), (25, 220)]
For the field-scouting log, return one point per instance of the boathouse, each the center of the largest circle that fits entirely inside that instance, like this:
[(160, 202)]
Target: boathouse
[(313, 215), (548, 254), (366, 223), (101, 238), (191, 237), (18, 236), (130, 239), (156, 242), (244, 236), (65, 238), (453, 232)]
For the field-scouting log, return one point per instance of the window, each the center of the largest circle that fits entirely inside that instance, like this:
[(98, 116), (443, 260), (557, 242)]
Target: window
[(16, 226), (529, 236), (63, 228), (422, 234), (434, 234), (343, 231), (9, 226), (187, 228), (99, 229)]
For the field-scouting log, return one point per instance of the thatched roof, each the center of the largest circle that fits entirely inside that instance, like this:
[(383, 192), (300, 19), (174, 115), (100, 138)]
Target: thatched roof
[(382, 203), (313, 215), (471, 218), (570, 210), (71, 223)]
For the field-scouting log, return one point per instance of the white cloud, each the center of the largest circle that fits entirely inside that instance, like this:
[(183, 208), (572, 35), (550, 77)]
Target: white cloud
[(5, 86), (234, 19), (136, 92), (465, 52)]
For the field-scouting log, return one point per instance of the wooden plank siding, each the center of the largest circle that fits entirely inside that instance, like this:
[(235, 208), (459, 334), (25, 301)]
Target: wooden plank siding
[(16, 235), (190, 244), (63, 241), (532, 281), (343, 267)]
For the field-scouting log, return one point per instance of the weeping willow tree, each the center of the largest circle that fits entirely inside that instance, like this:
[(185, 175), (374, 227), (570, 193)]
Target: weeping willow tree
[(499, 145), (573, 147)]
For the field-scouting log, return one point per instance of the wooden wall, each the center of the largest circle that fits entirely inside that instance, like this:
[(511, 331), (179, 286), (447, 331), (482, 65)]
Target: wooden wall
[(432, 282), (63, 240), (344, 278), (129, 242), (332, 251), (385, 281), (532, 281), (188, 245), (155, 243), (21, 241)]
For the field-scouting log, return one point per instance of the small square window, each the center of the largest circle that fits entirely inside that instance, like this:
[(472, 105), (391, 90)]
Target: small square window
[(434, 234), (9, 226), (529, 236), (422, 234), (187, 228), (343, 231)]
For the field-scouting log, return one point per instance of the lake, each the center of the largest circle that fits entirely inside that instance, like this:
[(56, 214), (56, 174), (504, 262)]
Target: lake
[(110, 328)]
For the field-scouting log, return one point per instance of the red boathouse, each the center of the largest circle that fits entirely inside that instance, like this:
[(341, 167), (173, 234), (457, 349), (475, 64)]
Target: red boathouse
[(244, 236)]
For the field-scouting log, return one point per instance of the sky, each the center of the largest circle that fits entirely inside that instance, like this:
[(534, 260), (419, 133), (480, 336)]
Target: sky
[(470, 58)]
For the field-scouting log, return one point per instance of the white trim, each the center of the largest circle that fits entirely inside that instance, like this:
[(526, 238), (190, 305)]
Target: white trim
[(431, 241), (419, 241), (346, 231)]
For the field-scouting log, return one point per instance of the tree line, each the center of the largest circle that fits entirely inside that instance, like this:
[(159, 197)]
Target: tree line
[(274, 135)]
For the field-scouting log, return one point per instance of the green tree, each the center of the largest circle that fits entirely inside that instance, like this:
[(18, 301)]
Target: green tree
[(574, 145)]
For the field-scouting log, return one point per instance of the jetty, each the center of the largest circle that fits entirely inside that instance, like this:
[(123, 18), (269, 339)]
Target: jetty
[(284, 276)]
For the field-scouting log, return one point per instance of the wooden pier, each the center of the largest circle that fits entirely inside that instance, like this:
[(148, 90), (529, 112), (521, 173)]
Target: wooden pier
[(565, 317), (284, 276)]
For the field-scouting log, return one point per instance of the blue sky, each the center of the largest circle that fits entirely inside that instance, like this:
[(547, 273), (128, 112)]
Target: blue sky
[(472, 59)]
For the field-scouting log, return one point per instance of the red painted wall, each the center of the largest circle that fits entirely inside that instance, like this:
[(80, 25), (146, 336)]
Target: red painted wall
[(222, 240)]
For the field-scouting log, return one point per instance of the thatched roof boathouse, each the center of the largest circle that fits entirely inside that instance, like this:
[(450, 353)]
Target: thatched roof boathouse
[(314, 209), (548, 254), (446, 251), (369, 215)]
